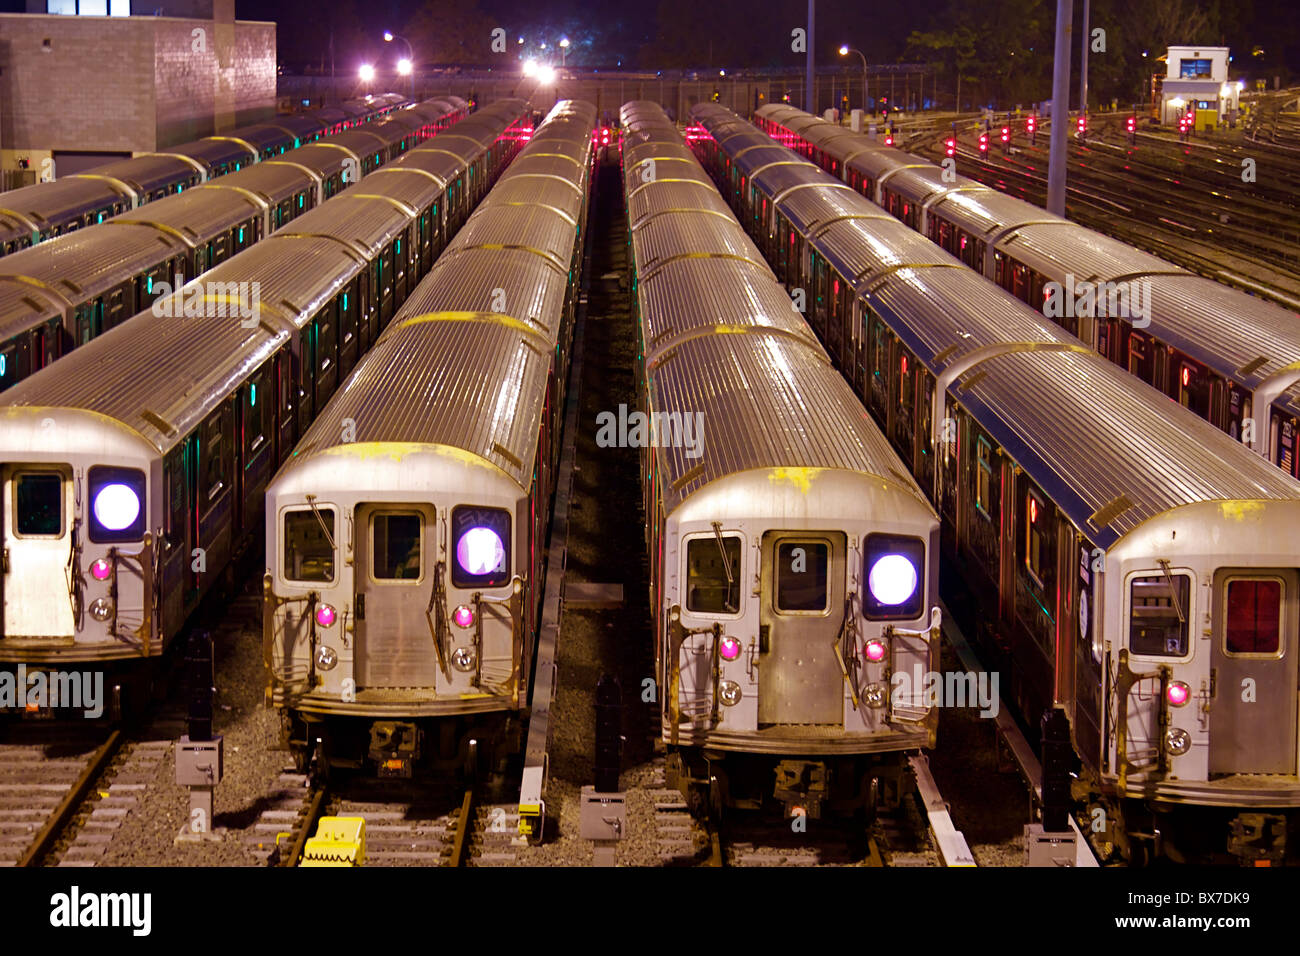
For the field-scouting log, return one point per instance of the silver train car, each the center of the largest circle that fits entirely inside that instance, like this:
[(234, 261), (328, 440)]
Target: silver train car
[(1123, 559), (1231, 357), (33, 214), (405, 538), (127, 489), (794, 562), (64, 292)]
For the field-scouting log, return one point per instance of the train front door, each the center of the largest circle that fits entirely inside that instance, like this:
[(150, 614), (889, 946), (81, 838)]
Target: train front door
[(802, 580), (36, 508), (1256, 630), (395, 560)]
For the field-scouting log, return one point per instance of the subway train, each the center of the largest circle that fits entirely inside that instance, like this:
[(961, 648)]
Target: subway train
[(1120, 557), (793, 561), (406, 536), (1231, 357), (133, 471), (31, 214), (64, 292)]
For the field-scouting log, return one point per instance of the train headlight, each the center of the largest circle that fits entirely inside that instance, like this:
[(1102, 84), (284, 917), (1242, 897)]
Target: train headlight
[(482, 537), (1177, 741), (1178, 693), (116, 507), (116, 504), (729, 648), (729, 693), (101, 609), (101, 570), (463, 616), (892, 579), (875, 696), (875, 651), (893, 569), (326, 658), (464, 659), (325, 615)]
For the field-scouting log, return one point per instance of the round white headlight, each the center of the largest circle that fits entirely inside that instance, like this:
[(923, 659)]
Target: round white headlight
[(874, 695), (892, 579), (101, 609), (1177, 741), (116, 507), (326, 658), (729, 693), (480, 551)]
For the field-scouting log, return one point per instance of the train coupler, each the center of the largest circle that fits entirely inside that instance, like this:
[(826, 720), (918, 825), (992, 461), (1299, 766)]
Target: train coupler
[(801, 786), (394, 748), (1258, 839)]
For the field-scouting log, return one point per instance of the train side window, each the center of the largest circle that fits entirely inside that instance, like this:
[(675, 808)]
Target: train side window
[(175, 502), (395, 546), (1159, 615), (38, 503), (984, 477), (906, 389), (256, 415), (8, 365), (1253, 622), (801, 572), (713, 574), (1037, 553), (308, 555), (213, 468)]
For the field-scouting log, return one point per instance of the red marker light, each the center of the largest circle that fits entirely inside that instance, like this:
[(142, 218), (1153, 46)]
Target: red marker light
[(100, 570), (1033, 510), (729, 648), (1187, 376), (325, 615), (1178, 693), (874, 651)]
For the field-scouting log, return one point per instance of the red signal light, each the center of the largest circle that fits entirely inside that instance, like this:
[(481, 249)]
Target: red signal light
[(984, 142), (1131, 122), (951, 146), (1006, 134), (889, 140), (1082, 124), (1030, 122)]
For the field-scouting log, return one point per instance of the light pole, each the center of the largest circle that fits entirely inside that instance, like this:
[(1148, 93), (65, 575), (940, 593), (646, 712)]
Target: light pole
[(564, 51), (389, 37), (845, 51)]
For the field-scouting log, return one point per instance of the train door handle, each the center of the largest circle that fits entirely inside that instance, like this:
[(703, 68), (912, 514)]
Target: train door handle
[(764, 638), (361, 607)]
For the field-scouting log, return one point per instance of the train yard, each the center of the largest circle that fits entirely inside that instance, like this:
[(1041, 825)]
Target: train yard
[(515, 480)]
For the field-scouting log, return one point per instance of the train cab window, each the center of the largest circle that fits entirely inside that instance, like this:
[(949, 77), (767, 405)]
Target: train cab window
[(1253, 623), (1159, 614), (984, 478), (713, 574), (308, 548), (1038, 557), (395, 546), (1193, 389), (801, 569), (38, 501)]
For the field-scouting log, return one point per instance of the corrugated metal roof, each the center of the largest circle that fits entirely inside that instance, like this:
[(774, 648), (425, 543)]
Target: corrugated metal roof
[(812, 210), (471, 383), (758, 157), (57, 201), (661, 197), (527, 287), (176, 369), (767, 401), (197, 214), (147, 173), (273, 179), (213, 151), (354, 216), (1121, 440), (693, 296), (539, 229), (702, 232), (862, 248), (1057, 248)]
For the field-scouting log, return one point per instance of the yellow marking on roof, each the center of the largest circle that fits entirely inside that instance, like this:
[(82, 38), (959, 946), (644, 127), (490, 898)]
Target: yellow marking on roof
[(484, 318), (398, 450), (1242, 510), (801, 478)]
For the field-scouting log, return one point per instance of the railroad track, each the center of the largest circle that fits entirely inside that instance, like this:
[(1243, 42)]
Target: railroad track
[(406, 824)]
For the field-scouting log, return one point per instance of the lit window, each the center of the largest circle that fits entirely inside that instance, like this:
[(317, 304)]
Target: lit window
[(1155, 608)]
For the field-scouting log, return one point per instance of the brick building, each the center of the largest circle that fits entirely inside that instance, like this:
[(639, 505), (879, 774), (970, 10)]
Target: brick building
[(87, 89)]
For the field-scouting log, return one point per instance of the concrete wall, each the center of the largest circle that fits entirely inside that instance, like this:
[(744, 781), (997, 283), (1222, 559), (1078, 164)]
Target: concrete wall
[(133, 84)]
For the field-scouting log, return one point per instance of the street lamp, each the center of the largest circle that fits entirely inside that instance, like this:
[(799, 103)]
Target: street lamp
[(389, 37), (845, 50), (564, 50), (366, 73), (530, 67)]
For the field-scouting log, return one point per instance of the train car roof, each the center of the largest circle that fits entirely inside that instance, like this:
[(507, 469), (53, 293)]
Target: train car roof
[(366, 221), (215, 150), (197, 215), (157, 375), (75, 195), (643, 203), (148, 172), (813, 209), (473, 384), (704, 232), (767, 401), (1126, 449)]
